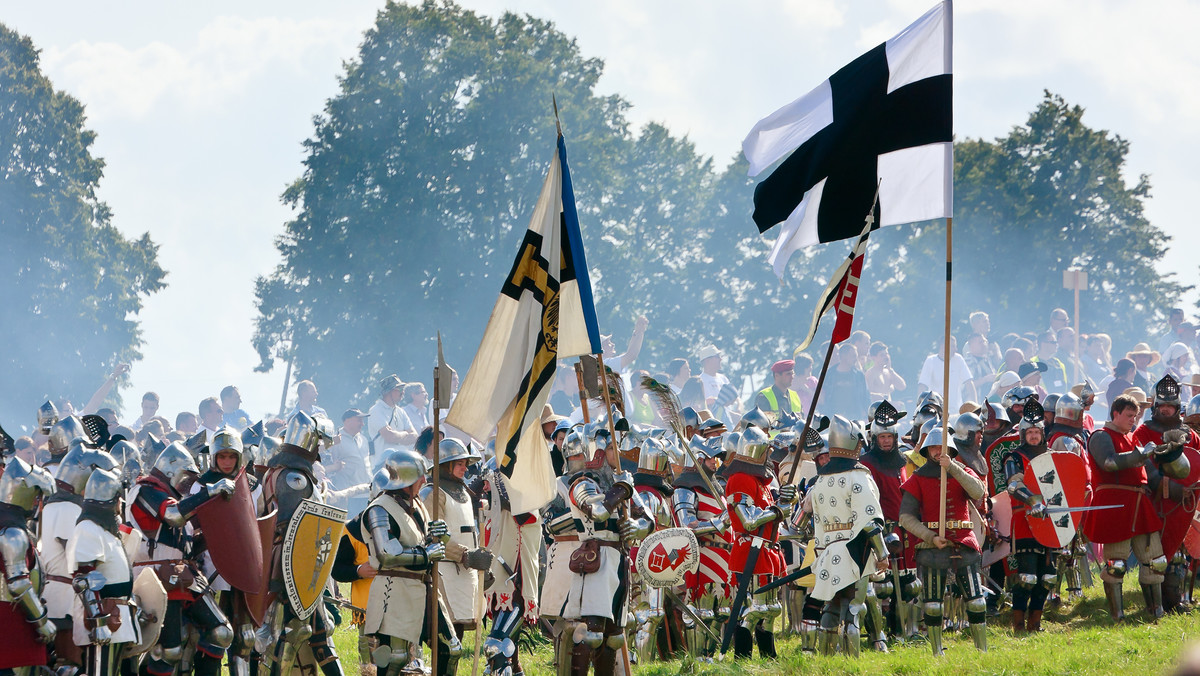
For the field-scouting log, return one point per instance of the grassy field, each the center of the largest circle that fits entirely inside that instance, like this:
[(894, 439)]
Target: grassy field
[(1077, 639)]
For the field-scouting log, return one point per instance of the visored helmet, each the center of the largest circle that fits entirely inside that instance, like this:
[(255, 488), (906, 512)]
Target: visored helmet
[(1069, 411), (1166, 391), (176, 465), (400, 469), (103, 486), (47, 416), (1033, 416), (129, 460), (654, 459), (753, 446), (22, 484), (63, 433), (994, 417), (1021, 394), (307, 433), (79, 463), (930, 399), (885, 419), (845, 437), (574, 450), (266, 449), (757, 417)]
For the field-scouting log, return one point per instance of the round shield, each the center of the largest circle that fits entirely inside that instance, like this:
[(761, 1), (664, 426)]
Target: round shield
[(152, 602), (1061, 479), (666, 555)]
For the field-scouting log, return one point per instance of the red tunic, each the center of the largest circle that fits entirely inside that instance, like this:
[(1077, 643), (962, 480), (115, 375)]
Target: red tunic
[(1176, 515), (21, 646), (714, 549), (927, 490), (770, 560), (1126, 488), (890, 494)]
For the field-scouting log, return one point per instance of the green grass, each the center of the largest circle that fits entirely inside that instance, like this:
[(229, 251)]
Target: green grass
[(1077, 639)]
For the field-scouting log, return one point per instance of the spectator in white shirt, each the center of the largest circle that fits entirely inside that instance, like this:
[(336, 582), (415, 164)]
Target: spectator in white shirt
[(931, 378), (712, 378), (387, 425), (416, 405), (150, 403)]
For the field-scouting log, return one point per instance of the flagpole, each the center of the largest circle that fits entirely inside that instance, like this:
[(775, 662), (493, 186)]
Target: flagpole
[(946, 377), (587, 417), (437, 498), (616, 465), (812, 407)]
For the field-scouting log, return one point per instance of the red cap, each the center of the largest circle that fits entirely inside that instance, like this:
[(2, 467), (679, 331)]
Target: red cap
[(783, 366)]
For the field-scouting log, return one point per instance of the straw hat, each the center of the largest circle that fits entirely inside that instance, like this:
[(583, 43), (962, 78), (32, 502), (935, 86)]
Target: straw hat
[(1143, 350), (969, 407), (549, 416), (1139, 395), (707, 351), (1192, 380)]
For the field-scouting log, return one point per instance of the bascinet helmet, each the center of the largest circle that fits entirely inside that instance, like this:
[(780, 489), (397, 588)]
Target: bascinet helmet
[(886, 420), (845, 437), (129, 460), (1166, 391), (729, 444), (1033, 416), (47, 416), (1021, 394), (22, 484), (401, 469), (79, 463), (227, 440), (994, 417), (63, 433), (688, 417), (305, 434), (175, 465), (753, 446), (574, 450), (1050, 405), (1069, 411), (756, 417), (103, 486)]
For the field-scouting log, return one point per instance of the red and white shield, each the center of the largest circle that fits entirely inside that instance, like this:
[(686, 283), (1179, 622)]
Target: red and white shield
[(1061, 479), (666, 555)]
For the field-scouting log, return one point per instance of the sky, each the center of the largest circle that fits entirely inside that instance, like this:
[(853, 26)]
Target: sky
[(201, 109)]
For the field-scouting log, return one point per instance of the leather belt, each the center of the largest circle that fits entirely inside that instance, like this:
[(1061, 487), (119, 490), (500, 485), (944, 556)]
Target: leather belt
[(407, 575), (834, 528), (157, 562), (566, 538), (950, 525), (59, 578)]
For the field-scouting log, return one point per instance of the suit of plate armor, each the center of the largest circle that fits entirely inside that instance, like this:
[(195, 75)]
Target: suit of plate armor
[(23, 618), (708, 588)]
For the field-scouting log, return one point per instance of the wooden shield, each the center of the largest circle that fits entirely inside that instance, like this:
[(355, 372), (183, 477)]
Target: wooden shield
[(1061, 479), (995, 460), (665, 556), (152, 599), (230, 528), (308, 551), (257, 602)]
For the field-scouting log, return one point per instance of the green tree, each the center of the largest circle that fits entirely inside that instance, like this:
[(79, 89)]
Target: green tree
[(73, 285)]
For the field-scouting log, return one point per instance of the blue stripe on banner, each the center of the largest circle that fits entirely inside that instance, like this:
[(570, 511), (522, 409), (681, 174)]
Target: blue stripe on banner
[(575, 240)]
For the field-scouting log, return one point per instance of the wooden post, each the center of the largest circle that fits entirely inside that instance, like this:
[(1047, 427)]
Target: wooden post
[(946, 377), (812, 406), (435, 585), (287, 381), (616, 465)]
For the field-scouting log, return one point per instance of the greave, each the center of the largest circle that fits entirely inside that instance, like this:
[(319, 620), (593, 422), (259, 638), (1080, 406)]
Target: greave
[(1116, 603), (979, 635), (933, 623)]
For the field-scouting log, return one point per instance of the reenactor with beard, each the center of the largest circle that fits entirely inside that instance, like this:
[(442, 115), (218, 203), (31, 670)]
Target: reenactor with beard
[(403, 543), (24, 622), (1119, 477), (1175, 500), (1036, 574), (956, 551)]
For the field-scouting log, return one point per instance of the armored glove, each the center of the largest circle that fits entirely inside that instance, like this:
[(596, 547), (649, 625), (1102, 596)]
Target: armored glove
[(222, 487), (435, 552), (788, 494), (634, 529), (1172, 440), (100, 635), (437, 531), (478, 559), (1148, 450), (1038, 510)]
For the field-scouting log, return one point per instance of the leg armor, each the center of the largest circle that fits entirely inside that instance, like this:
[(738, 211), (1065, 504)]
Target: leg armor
[(169, 650), (877, 628), (648, 617), (832, 616), (322, 646), (500, 648), (1172, 587), (934, 593), (852, 631), (606, 654), (390, 654), (810, 625)]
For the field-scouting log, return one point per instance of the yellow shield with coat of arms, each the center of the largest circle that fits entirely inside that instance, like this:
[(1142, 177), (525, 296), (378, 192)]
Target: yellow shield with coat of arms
[(309, 547)]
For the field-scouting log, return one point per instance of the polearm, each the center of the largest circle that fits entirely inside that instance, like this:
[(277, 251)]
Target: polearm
[(812, 407), (616, 463), (946, 379), (435, 586)]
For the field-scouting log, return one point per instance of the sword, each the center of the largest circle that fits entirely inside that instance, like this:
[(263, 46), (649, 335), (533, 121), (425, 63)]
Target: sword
[(780, 581), (1093, 508), (739, 600), (670, 593)]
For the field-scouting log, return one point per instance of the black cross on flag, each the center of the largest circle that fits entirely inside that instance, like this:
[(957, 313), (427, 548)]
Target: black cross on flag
[(882, 121)]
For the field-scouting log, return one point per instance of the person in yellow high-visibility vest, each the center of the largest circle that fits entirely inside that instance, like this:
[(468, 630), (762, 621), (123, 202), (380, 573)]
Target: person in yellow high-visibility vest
[(779, 396)]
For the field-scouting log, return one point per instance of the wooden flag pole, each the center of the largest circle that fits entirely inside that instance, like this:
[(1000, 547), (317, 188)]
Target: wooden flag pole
[(812, 407), (435, 586), (587, 417), (946, 377)]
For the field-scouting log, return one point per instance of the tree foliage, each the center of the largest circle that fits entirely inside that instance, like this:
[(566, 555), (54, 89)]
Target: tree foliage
[(73, 285), (421, 175)]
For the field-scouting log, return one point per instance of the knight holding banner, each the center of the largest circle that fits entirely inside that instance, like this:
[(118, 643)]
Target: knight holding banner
[(956, 551), (402, 545)]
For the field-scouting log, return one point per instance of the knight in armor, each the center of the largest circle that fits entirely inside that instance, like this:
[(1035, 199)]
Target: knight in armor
[(160, 512), (1119, 477), (697, 508), (1175, 501), (848, 536), (465, 558), (227, 454), (562, 541), (755, 517), (288, 481), (402, 545), (598, 598), (24, 622), (957, 551), (658, 632), (102, 576), (1036, 573), (59, 515), (1067, 434), (887, 464)]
